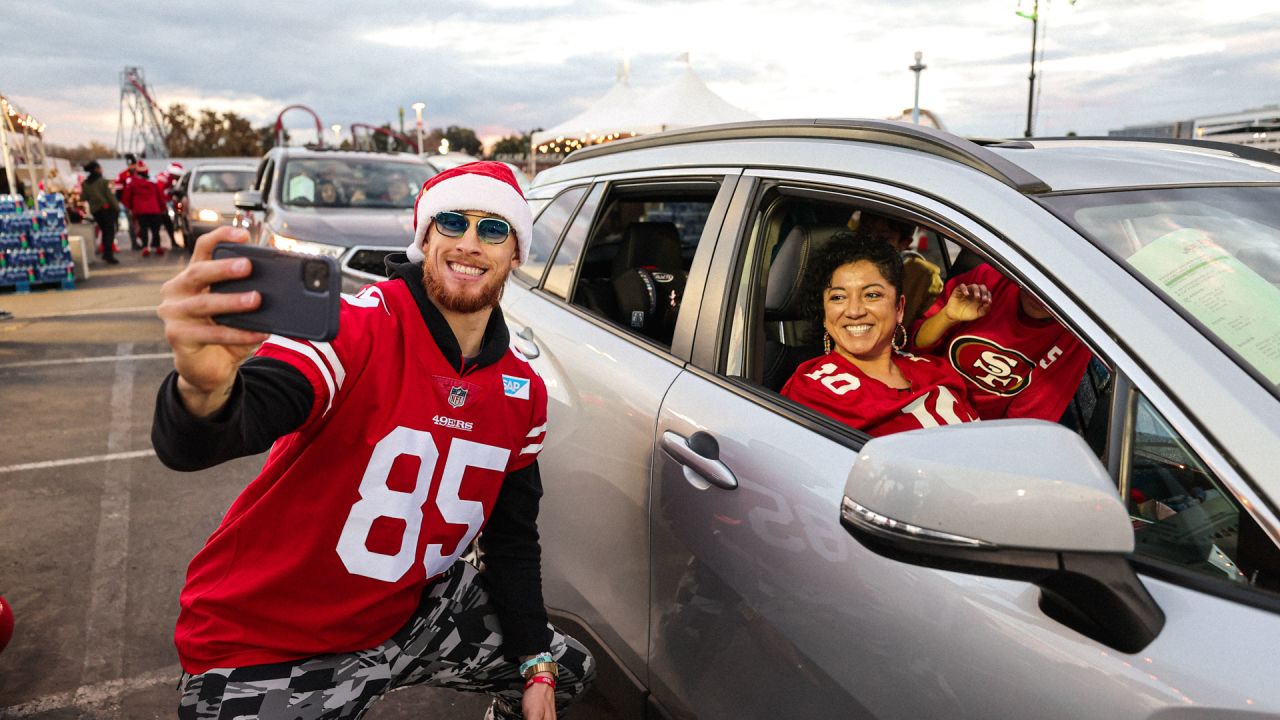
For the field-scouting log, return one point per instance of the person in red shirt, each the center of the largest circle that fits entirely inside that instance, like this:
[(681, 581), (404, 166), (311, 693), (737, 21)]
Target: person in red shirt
[(335, 576), (864, 380), (118, 185), (146, 203), (1017, 359), (165, 181)]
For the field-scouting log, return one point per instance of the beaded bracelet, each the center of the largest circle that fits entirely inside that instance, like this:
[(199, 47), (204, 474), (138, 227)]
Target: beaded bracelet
[(540, 657), (540, 679)]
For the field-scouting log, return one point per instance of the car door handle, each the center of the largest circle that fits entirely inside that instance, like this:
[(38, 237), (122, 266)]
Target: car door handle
[(700, 453), (525, 344)]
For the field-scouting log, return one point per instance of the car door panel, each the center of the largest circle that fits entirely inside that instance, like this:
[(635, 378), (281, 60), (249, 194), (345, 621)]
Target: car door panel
[(764, 607), (603, 393)]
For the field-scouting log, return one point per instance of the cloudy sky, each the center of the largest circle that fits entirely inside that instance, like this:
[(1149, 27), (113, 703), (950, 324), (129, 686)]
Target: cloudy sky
[(505, 65)]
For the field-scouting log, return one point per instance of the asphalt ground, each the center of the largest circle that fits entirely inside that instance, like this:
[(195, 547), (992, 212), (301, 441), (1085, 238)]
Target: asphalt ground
[(96, 534)]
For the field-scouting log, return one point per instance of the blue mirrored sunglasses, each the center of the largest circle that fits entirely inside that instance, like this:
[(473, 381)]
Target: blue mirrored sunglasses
[(490, 230)]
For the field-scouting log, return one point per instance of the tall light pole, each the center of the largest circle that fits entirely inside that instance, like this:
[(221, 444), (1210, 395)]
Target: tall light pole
[(1034, 17), (917, 68), (337, 134), (418, 108)]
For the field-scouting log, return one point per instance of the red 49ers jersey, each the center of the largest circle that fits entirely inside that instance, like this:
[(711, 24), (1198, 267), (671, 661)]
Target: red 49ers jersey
[(834, 386), (1017, 366), (393, 473)]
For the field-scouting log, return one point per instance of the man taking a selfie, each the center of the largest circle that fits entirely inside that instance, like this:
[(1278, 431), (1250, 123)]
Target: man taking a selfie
[(335, 577)]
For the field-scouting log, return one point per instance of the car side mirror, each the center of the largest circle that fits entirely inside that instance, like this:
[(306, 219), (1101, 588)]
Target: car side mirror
[(1017, 499), (249, 200)]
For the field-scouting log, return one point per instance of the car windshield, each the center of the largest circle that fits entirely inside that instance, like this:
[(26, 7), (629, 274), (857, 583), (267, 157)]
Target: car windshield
[(352, 182), (223, 181), (1212, 253)]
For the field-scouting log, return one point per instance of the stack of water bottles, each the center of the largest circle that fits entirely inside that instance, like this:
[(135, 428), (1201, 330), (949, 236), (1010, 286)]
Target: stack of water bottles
[(33, 243)]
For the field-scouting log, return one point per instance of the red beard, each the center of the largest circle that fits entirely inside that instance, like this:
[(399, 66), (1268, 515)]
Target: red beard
[(486, 297)]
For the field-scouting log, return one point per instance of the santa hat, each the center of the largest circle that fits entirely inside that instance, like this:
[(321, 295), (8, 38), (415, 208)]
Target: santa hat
[(175, 168), (486, 186)]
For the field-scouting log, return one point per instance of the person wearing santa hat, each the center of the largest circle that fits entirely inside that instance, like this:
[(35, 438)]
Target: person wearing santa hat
[(335, 576), (165, 181)]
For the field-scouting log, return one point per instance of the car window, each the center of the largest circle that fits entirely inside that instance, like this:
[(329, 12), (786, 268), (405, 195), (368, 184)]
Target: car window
[(546, 231), (223, 181), (353, 182), (560, 276), (631, 269), (1183, 516), (1211, 253)]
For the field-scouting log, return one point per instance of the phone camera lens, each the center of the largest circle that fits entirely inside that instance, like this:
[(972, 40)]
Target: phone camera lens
[(315, 275)]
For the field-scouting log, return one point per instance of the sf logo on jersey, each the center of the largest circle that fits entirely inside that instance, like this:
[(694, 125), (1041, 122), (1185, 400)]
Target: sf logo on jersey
[(997, 370)]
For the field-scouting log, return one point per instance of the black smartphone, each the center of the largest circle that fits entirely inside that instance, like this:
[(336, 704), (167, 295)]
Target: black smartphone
[(301, 294)]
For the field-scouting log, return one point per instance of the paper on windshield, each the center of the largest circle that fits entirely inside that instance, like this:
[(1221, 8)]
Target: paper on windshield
[(1227, 296)]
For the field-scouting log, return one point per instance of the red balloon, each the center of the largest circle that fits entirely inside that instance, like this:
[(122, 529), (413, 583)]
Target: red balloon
[(6, 622)]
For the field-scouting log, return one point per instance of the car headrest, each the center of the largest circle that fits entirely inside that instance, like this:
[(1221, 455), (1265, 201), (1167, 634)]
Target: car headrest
[(649, 244), (783, 297)]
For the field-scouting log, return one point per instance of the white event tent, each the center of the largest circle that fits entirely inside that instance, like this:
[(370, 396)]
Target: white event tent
[(623, 112)]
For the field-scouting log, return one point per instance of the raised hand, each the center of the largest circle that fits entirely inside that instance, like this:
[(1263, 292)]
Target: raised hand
[(968, 302), (205, 354)]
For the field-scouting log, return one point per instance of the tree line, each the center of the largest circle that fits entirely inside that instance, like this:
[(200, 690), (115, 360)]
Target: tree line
[(209, 133)]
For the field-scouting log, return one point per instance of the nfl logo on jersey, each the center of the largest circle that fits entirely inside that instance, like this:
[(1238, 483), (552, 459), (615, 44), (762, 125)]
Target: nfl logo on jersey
[(457, 396)]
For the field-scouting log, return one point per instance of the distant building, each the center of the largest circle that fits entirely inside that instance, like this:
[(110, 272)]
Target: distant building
[(1259, 128)]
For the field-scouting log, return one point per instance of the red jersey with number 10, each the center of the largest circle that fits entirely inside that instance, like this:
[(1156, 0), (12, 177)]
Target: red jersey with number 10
[(834, 386), (393, 473)]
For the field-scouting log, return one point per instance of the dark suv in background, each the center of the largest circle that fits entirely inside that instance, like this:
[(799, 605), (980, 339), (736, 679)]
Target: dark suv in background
[(353, 206)]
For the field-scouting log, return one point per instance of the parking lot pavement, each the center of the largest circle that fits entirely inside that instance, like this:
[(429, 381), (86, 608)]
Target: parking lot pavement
[(95, 534)]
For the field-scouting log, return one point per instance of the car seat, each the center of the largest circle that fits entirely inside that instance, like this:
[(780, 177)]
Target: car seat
[(790, 327), (648, 279)]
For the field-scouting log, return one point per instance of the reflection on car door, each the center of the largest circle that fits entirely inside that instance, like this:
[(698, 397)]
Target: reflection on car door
[(605, 383)]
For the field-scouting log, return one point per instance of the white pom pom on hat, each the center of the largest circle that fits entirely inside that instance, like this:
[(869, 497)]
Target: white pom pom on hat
[(486, 186)]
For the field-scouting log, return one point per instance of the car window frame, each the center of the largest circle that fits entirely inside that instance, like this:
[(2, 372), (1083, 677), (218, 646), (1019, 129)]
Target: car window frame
[(547, 201), (1130, 374), (682, 341)]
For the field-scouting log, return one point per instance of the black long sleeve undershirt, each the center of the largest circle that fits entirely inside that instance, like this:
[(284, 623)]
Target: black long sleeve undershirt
[(270, 399)]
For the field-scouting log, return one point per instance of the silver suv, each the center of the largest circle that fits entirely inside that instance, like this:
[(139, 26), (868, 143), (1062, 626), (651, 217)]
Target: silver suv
[(353, 206), (731, 553)]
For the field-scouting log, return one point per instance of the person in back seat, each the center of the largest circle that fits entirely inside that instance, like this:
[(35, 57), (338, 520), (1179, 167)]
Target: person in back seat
[(864, 380), (1018, 360), (921, 279)]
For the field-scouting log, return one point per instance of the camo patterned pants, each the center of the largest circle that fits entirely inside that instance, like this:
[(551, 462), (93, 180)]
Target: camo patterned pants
[(452, 641)]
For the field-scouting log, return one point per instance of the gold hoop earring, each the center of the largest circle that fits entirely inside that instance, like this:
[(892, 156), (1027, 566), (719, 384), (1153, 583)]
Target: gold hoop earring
[(826, 343), (899, 344)]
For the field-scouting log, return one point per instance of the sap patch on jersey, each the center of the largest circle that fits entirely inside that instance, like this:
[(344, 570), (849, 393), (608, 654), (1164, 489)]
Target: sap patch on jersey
[(515, 387)]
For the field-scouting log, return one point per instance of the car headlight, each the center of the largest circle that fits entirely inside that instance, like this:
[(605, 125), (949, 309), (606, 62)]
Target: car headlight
[(288, 244), (207, 215)]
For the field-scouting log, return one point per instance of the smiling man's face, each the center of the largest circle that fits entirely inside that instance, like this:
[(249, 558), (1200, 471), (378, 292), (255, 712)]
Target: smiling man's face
[(464, 275)]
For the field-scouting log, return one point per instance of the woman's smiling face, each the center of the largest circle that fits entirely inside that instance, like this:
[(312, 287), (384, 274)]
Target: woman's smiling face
[(861, 311)]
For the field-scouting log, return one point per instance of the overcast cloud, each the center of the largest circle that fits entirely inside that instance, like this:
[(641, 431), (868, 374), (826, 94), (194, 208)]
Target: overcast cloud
[(502, 66)]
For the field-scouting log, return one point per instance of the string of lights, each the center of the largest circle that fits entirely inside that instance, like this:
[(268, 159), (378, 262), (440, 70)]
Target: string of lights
[(19, 120), (564, 145)]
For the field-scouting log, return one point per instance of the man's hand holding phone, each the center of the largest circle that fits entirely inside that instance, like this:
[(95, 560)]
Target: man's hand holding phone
[(206, 354)]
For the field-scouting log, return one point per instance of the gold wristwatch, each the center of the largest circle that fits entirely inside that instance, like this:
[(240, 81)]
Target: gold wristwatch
[(543, 667)]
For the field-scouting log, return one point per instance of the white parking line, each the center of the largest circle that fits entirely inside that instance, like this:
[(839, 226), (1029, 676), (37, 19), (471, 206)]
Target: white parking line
[(96, 696), (91, 311), (78, 361), (108, 580), (88, 460)]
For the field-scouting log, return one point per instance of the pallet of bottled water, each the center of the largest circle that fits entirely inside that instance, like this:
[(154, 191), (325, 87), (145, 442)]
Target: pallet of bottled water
[(33, 243)]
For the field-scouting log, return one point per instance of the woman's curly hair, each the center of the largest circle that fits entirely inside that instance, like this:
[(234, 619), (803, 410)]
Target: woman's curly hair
[(843, 248)]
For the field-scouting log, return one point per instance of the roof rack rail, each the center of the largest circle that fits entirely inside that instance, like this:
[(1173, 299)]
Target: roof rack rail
[(885, 132), (1244, 152)]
